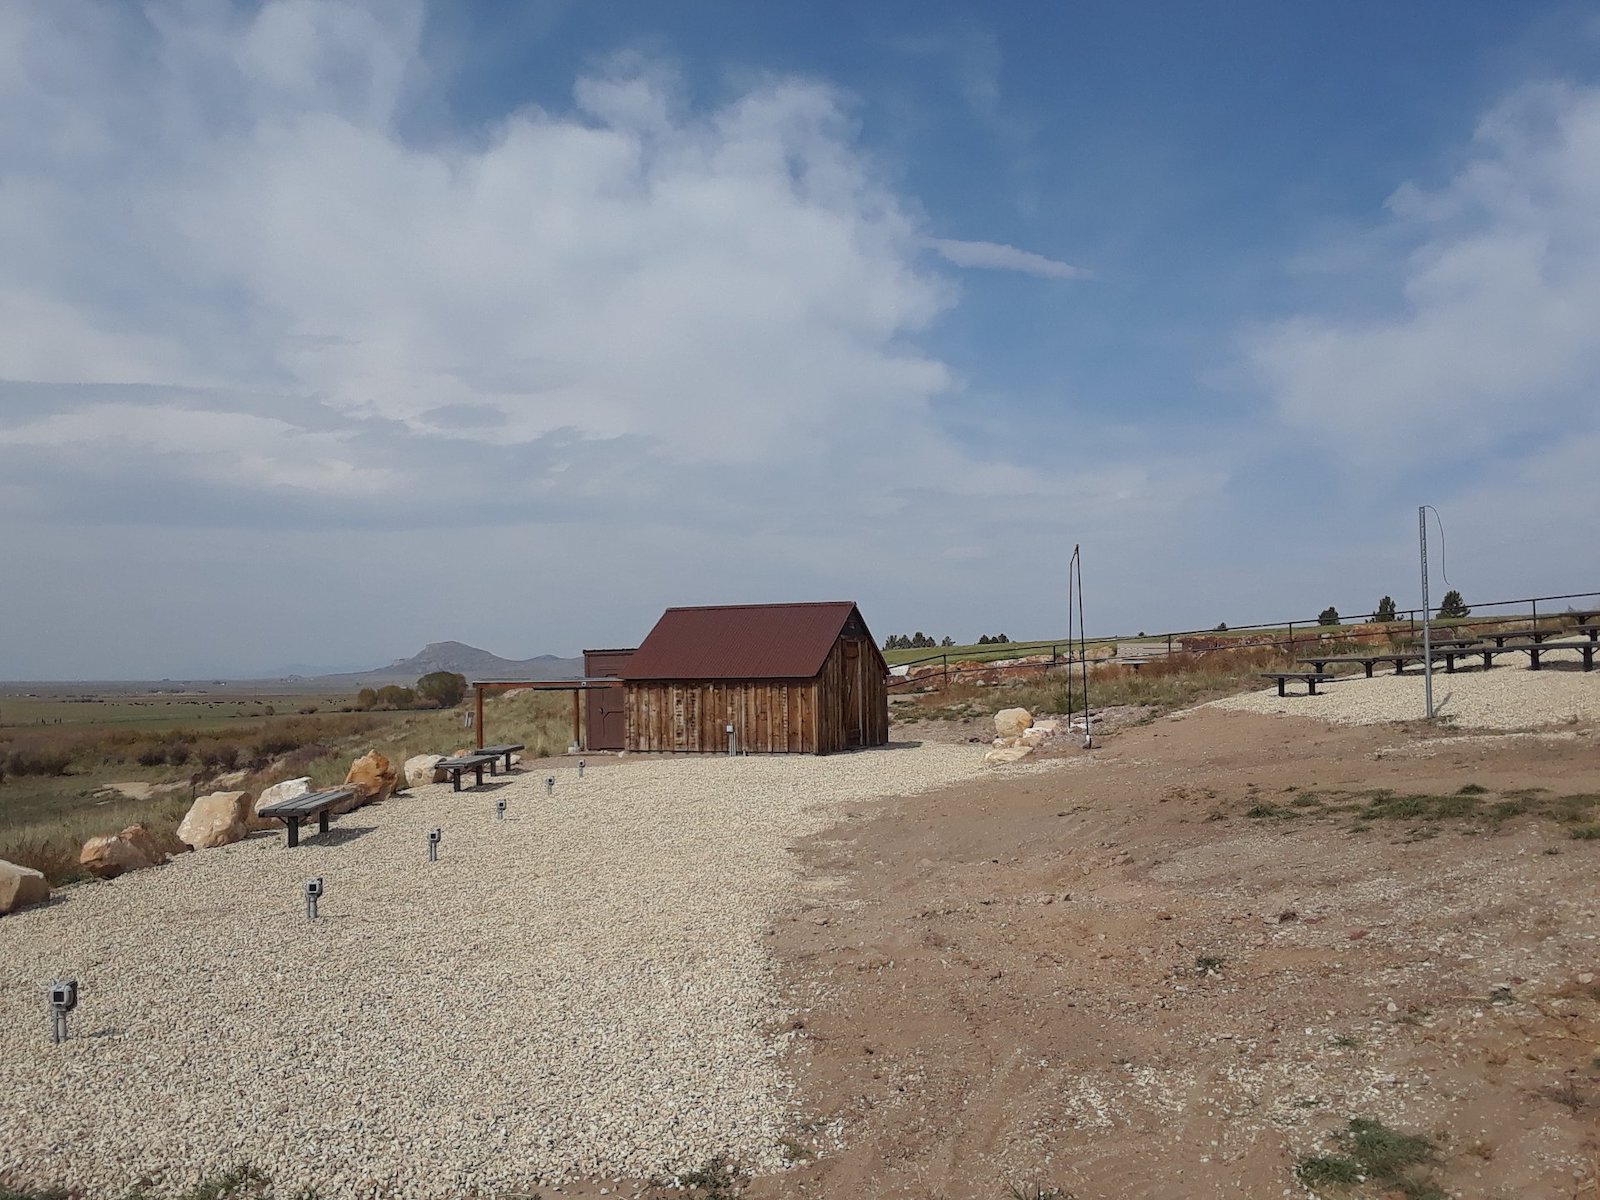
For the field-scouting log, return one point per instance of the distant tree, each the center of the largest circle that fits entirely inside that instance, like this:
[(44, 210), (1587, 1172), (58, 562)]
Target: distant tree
[(949, 641), (983, 639), (443, 688), (366, 698), (1385, 610), (1328, 616), (1222, 627), (1453, 605), (1002, 638), (892, 642), (392, 695)]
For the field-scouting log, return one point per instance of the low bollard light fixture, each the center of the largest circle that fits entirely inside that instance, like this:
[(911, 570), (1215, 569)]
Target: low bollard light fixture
[(313, 890), (500, 808), (580, 768), (549, 785), (63, 999), (435, 835)]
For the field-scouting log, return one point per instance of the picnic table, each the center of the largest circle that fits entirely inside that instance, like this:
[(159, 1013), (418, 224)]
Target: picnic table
[(297, 808), (1592, 630)]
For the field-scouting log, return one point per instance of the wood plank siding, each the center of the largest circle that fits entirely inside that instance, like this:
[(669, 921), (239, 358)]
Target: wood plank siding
[(846, 706)]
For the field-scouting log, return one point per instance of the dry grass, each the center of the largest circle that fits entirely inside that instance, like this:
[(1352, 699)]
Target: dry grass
[(45, 819), (1163, 684)]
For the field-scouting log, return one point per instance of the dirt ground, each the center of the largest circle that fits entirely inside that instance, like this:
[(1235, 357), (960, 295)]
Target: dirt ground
[(1108, 979)]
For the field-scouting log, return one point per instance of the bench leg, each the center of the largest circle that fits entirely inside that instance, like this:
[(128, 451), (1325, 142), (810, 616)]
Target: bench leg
[(1449, 664), (322, 821), (1311, 687), (493, 765), (1488, 660), (480, 774), (294, 832), (1368, 666), (1588, 658), (1533, 653), (1281, 692)]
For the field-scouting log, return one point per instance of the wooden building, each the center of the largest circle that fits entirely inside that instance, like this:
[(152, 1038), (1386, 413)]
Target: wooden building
[(788, 679)]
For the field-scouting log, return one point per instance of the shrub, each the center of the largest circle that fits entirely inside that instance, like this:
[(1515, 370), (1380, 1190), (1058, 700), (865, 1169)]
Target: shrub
[(392, 695), (1386, 610), (366, 698), (36, 762), (1328, 616), (1453, 605), (443, 688)]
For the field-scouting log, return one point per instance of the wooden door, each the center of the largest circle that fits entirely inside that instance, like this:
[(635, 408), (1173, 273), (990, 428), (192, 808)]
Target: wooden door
[(852, 700)]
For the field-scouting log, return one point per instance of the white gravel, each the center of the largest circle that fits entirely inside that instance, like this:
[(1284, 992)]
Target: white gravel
[(582, 989), (1509, 696)]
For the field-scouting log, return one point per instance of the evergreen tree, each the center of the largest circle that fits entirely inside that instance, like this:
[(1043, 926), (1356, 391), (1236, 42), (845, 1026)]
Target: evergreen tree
[(1453, 605), (1386, 610), (1328, 616)]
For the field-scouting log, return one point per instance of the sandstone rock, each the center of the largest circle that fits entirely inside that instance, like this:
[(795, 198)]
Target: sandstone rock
[(20, 886), (422, 768), (1000, 743), (1007, 754), (215, 820), (1010, 722), (115, 854), (288, 789), (372, 778), (1032, 737), (1049, 726)]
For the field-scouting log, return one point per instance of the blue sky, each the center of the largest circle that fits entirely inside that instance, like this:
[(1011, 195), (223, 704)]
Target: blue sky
[(329, 329)]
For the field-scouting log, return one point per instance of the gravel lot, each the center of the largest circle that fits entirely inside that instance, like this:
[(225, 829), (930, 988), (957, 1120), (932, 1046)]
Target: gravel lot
[(1507, 697), (581, 989)]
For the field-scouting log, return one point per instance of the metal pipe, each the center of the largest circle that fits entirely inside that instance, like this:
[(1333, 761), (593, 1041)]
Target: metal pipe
[(1427, 628), (477, 693)]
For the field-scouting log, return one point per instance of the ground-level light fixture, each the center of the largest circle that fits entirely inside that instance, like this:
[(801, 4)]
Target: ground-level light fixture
[(580, 768), (500, 808), (63, 999), (549, 785), (313, 890), (435, 835)]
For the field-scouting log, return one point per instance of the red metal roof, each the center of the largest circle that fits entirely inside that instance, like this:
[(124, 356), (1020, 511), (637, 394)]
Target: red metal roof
[(743, 641)]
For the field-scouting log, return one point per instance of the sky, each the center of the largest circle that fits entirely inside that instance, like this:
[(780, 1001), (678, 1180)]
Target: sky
[(329, 329)]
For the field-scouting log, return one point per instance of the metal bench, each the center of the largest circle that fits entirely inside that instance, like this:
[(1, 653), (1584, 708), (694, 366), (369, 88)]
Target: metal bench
[(1586, 649), (297, 808), (456, 767), (1500, 636), (1311, 679), (505, 752), (1593, 631), (1366, 660)]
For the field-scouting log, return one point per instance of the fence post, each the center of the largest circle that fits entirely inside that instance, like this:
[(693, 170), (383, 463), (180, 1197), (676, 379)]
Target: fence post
[(1169, 645), (946, 659), (1536, 614), (1291, 639)]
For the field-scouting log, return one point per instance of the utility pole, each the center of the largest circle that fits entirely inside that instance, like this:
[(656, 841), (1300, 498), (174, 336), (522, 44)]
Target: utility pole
[(1427, 632)]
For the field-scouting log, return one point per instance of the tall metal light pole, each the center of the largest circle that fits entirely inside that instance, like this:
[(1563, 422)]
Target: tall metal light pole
[(1427, 633)]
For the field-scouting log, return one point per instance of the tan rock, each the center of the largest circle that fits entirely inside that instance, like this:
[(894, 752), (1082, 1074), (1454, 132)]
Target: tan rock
[(423, 768), (21, 886), (1007, 754), (215, 820), (111, 855), (1049, 726), (1032, 737), (372, 778), (1010, 722), (286, 789)]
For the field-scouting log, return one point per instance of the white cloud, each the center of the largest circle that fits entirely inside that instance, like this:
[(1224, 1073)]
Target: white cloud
[(998, 257), (236, 297), (1491, 334)]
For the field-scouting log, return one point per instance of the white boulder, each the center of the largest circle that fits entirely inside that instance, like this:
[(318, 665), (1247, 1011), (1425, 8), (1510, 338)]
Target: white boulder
[(1010, 722), (21, 886), (423, 768), (1007, 754), (215, 820), (288, 789)]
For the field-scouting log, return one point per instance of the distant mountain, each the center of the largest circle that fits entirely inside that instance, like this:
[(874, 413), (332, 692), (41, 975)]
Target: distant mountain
[(461, 658)]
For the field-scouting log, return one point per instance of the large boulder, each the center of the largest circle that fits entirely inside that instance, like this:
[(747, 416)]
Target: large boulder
[(20, 886), (1001, 755), (288, 789), (423, 768), (1010, 722), (215, 820), (372, 778)]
